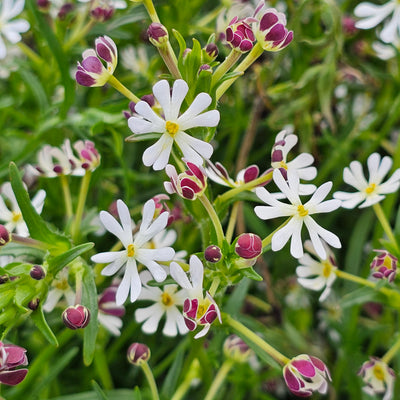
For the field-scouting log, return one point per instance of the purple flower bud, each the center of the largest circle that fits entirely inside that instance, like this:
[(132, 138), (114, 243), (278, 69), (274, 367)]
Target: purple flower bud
[(4, 235), (248, 246), (102, 14), (212, 50), (213, 254), (3, 279), (107, 304), (76, 317), (305, 374), (43, 5), (65, 10), (158, 34), (34, 304), (384, 266), (349, 25), (236, 349), (12, 356), (138, 353), (37, 272), (205, 67)]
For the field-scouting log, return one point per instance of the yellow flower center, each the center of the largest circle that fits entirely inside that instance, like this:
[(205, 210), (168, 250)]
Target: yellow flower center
[(16, 216), (130, 251), (62, 284), (166, 299), (302, 211), (172, 128), (327, 269), (371, 188), (378, 372)]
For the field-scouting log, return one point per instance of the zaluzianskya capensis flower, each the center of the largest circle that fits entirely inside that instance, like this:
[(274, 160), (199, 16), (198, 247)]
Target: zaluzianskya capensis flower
[(172, 126), (300, 214), (372, 191), (60, 288), (138, 353), (110, 312), (248, 246), (76, 317), (136, 249), (378, 378), (197, 308), (158, 34), (239, 34), (11, 357), (305, 375), (384, 265), (91, 72)]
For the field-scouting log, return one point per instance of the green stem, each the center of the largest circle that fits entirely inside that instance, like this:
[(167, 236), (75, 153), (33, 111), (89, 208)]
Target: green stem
[(78, 286), (227, 64), (151, 10), (214, 286), (67, 196), (232, 222), (391, 352), (255, 52), (385, 225), (245, 332), (101, 365), (268, 239), (247, 186), (116, 84), (219, 379), (191, 374), (150, 379), (81, 205), (214, 218), (262, 305), (168, 55), (79, 34), (30, 54)]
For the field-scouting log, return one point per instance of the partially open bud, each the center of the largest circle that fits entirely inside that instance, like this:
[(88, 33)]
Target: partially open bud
[(212, 51), (76, 317), (4, 235), (212, 254), (236, 349), (37, 272), (384, 266), (158, 34), (34, 304), (138, 353), (248, 246), (11, 357), (239, 34)]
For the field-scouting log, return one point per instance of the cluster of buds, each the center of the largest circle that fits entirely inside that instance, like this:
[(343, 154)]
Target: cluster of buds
[(11, 357), (239, 34), (76, 317), (91, 72), (138, 353), (271, 32), (189, 184), (378, 378), (384, 266), (305, 374)]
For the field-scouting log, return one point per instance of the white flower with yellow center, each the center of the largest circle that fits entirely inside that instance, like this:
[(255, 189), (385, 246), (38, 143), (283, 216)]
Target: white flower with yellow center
[(10, 213), (165, 300), (299, 213), (316, 275), (372, 191), (136, 249), (172, 126), (60, 288)]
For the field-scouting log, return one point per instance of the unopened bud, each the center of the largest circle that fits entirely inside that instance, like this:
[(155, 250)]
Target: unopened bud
[(33, 304), (212, 50), (3, 279), (158, 34), (37, 272), (248, 246), (65, 10), (212, 254), (138, 353), (4, 235), (43, 5), (76, 317), (206, 68), (236, 349)]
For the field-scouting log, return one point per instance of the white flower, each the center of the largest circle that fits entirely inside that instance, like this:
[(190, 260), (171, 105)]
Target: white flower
[(12, 217), (386, 51), (165, 301), (371, 15), (299, 214), (372, 191), (167, 238), (60, 288), (11, 29), (316, 275), (172, 126), (136, 249)]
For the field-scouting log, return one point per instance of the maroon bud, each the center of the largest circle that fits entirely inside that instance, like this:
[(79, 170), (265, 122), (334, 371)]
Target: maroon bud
[(349, 25), (248, 246), (65, 10), (76, 317), (4, 235), (138, 353), (205, 67), (213, 254), (158, 34), (149, 99), (34, 304), (37, 272), (43, 5), (236, 349), (3, 279), (212, 50)]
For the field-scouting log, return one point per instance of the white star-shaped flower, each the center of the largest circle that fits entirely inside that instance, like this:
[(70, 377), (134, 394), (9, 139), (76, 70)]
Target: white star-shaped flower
[(371, 15), (165, 301), (300, 213), (172, 126), (136, 249), (11, 30), (12, 217), (372, 191), (316, 275), (60, 288)]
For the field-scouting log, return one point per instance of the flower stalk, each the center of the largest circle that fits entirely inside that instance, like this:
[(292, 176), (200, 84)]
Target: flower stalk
[(116, 84), (385, 225), (214, 218), (226, 65), (150, 379), (67, 196), (387, 357), (219, 379)]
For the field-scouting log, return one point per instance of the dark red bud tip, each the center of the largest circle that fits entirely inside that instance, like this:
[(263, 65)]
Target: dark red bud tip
[(37, 272), (248, 246), (212, 254), (33, 304), (138, 353), (212, 50), (4, 235), (76, 317)]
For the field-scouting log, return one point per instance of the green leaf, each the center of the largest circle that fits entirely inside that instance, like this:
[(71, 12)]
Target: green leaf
[(136, 394), (100, 394), (359, 296), (250, 273), (56, 264), (41, 323), (38, 229), (236, 300), (89, 299), (16, 250), (171, 380)]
